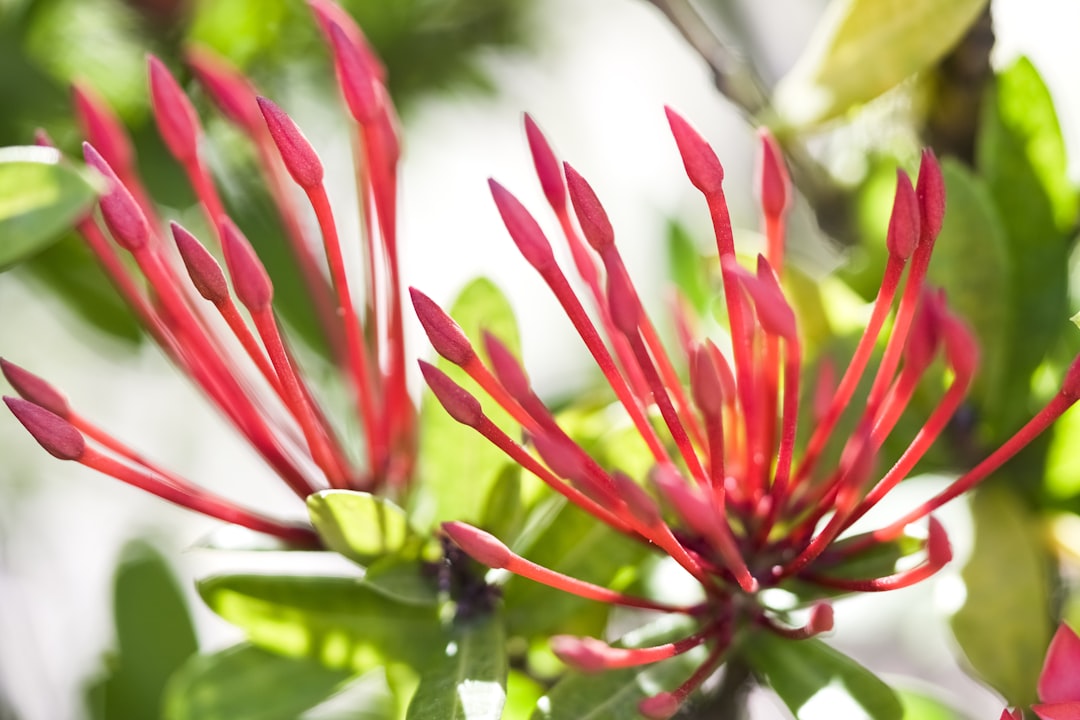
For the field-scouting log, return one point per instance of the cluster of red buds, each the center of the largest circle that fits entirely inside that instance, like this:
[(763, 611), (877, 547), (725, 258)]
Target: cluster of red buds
[(731, 497), (192, 307)]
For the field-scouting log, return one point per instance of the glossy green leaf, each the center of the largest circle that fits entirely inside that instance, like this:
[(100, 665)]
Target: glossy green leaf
[(1007, 596), (468, 682), (971, 261), (861, 48), (504, 511), (359, 525), (41, 197), (247, 683), (576, 544), (809, 676), (458, 467), (615, 695), (154, 634), (401, 577), (338, 621), (1021, 154)]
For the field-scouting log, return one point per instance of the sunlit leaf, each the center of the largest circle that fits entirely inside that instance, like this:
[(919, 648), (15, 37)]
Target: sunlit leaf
[(689, 268), (861, 48), (338, 621), (808, 675), (1007, 600), (247, 683), (40, 198), (1021, 154), (469, 681), (401, 577), (359, 525), (923, 706), (458, 467)]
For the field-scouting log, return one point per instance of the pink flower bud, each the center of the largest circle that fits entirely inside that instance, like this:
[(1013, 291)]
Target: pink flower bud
[(175, 116), (659, 707), (961, 347), (506, 367), (59, 437), (623, 304), (250, 281), (586, 654), (445, 335), (705, 384), (523, 229), (355, 77), (702, 166), (34, 389), (206, 275), (230, 91), (821, 618), (461, 406), (938, 549), (590, 213), (1058, 680), (774, 184), (296, 152), (481, 546), (930, 190), (122, 214), (547, 166), (638, 502), (102, 128), (904, 226)]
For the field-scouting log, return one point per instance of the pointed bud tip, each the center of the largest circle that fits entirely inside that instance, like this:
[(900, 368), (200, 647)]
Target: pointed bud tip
[(56, 435), (508, 370), (590, 213), (938, 547), (481, 546), (34, 389), (659, 707), (445, 335), (523, 228), (173, 112), (296, 152), (457, 401), (775, 186), (249, 277), (546, 165), (930, 190), (904, 225), (581, 653), (122, 215), (702, 166), (205, 272)]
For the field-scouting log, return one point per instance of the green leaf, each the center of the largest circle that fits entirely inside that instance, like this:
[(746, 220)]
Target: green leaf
[(1021, 154), (971, 261), (576, 544), (359, 525), (1004, 628), (807, 673), (247, 683), (689, 268), (923, 706), (861, 48), (458, 467), (504, 511), (401, 577), (154, 636), (615, 695), (340, 622), (469, 681), (40, 197)]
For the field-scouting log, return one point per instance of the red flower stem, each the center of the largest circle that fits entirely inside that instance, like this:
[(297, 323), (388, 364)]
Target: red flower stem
[(670, 379), (204, 362), (667, 409), (589, 273), (788, 425), (701, 674), (483, 377), (205, 190), (844, 391), (903, 579), (205, 503), (240, 330), (359, 361), (1033, 428), (774, 241), (330, 460), (527, 569), (522, 457), (572, 306), (925, 438)]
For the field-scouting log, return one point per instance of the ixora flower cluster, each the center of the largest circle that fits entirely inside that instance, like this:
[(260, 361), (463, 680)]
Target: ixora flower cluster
[(245, 367), (730, 499)]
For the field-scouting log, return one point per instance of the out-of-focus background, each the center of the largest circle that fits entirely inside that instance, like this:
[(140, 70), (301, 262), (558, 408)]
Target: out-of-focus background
[(594, 75)]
